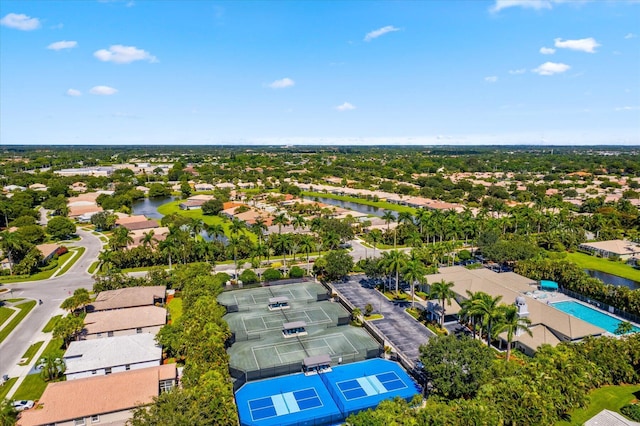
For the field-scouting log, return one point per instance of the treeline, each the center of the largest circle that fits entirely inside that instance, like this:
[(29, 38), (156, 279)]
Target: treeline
[(571, 277), (488, 391), (198, 339)]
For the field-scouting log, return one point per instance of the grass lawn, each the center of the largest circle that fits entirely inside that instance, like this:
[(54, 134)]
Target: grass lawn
[(380, 204), (52, 323), (93, 267), (604, 265), (25, 308), (14, 300), (374, 317), (52, 346), (393, 296), (28, 355), (44, 275), (173, 207), (31, 388), (80, 251), (610, 397), (5, 313), (175, 308), (4, 389)]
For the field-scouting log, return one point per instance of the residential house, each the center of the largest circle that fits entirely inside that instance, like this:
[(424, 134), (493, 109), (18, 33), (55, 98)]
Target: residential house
[(101, 357), (48, 251), (128, 298), (101, 399), (136, 222), (191, 204), (159, 234), (123, 322), (625, 250)]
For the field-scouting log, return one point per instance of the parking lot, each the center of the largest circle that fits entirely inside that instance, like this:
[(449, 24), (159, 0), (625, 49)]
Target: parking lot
[(398, 327)]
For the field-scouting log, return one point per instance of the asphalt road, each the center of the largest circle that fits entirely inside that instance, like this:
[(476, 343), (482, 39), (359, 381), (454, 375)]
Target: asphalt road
[(52, 292)]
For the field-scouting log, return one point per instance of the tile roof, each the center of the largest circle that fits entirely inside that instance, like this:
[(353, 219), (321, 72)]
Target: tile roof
[(66, 401), (128, 297), (124, 319)]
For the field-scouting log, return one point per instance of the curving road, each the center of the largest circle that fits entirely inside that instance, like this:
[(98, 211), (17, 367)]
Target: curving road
[(52, 292)]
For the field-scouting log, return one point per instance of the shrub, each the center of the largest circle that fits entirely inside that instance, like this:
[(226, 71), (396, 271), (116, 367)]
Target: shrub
[(248, 277), (632, 411), (296, 272), (271, 275)]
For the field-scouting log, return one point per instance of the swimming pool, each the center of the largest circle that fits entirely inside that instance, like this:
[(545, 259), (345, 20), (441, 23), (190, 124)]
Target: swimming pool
[(590, 315)]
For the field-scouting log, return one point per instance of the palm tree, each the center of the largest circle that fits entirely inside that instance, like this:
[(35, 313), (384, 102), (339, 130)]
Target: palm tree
[(395, 262), (280, 220), (51, 365), (233, 243), (405, 217), (298, 222), (376, 237), (168, 247), (467, 309), (214, 231), (259, 227), (283, 243), (512, 323), (307, 244), (486, 307), (106, 257), (388, 217), (414, 272), (120, 238), (8, 414), (196, 226), (441, 290), (10, 243), (236, 226), (148, 239)]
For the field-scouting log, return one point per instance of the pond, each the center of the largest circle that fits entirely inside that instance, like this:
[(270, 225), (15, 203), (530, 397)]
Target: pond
[(613, 279), (360, 208), (149, 206)]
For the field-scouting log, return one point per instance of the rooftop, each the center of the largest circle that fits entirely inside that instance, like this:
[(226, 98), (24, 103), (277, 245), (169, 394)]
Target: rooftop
[(124, 319), (128, 297)]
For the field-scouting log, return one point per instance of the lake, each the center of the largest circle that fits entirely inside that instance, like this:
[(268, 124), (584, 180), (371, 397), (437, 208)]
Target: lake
[(360, 208), (149, 206), (613, 279)]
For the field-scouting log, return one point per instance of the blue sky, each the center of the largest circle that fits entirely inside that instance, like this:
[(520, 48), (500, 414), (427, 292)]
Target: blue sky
[(320, 72)]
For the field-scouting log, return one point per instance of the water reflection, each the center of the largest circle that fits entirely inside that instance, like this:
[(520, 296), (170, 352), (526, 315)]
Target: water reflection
[(360, 208), (613, 279)]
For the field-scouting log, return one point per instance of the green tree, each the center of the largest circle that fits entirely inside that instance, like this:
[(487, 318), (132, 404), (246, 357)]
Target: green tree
[(185, 189), (441, 290), (511, 323), (414, 272), (339, 264), (158, 190), (212, 207), (51, 366), (67, 328), (60, 228), (455, 366), (624, 327), (393, 262), (486, 306), (271, 274), (8, 414)]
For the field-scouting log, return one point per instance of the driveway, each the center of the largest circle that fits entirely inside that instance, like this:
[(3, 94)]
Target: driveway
[(52, 292), (398, 327)]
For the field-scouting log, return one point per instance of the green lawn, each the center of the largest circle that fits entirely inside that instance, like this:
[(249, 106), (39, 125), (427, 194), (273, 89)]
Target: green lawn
[(31, 388), (52, 346), (380, 204), (4, 389), (29, 354), (25, 308), (66, 267), (5, 313), (93, 267), (374, 317), (175, 308), (44, 275), (604, 265), (173, 207), (52, 323), (610, 397), (14, 300)]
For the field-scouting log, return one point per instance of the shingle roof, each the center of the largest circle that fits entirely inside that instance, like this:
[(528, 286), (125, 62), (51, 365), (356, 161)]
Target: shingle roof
[(64, 401), (124, 319), (87, 355), (128, 297)]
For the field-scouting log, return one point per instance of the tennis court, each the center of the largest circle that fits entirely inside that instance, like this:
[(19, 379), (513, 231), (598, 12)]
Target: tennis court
[(248, 299), (326, 398)]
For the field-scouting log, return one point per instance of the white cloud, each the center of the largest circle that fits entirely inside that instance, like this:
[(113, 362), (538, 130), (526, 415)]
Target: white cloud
[(345, 107), (518, 71), (547, 50), (528, 4), (550, 68), (628, 108), (74, 92), (491, 79), (380, 32), (282, 83), (20, 21), (59, 45), (123, 54), (584, 44), (630, 35), (103, 90)]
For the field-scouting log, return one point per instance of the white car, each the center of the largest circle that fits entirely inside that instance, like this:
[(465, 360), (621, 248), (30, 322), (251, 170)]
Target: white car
[(22, 405)]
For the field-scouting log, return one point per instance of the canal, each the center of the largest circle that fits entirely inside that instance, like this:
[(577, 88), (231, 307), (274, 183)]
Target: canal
[(613, 279), (360, 208)]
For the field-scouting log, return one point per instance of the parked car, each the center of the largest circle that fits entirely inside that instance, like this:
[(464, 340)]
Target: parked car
[(22, 405)]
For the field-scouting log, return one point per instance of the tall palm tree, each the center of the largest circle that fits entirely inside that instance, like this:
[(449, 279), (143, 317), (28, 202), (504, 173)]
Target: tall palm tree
[(233, 243), (486, 307), (259, 227), (376, 237), (388, 217), (466, 312), (405, 217), (283, 243), (237, 226), (394, 263), (441, 290), (196, 226), (51, 365), (307, 244), (512, 323), (421, 217), (169, 247), (149, 239), (414, 272), (298, 222), (120, 238), (106, 257), (214, 231), (280, 220), (11, 243)]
